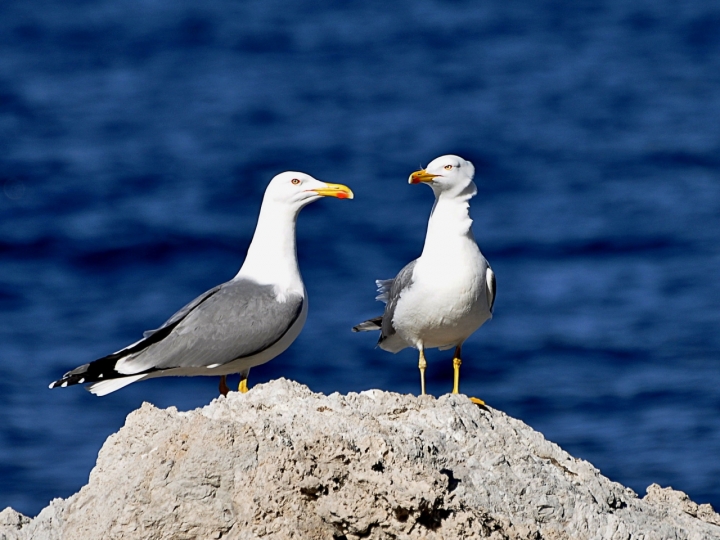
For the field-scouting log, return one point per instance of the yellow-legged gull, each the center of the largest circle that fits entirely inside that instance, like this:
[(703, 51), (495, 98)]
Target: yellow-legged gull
[(441, 298), (237, 325)]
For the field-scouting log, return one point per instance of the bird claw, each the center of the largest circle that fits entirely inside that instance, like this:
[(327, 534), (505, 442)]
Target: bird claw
[(479, 402)]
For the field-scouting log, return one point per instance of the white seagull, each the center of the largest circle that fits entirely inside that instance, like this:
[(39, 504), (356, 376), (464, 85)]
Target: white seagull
[(441, 298), (237, 325)]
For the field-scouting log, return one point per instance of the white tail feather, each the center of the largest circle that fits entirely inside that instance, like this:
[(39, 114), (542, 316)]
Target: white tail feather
[(104, 388)]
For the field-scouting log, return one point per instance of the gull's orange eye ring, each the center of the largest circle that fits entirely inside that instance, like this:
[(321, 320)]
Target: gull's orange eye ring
[(447, 167), (295, 181)]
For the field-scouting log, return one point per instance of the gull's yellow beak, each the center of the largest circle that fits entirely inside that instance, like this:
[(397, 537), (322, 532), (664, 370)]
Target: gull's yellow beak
[(421, 176), (334, 190)]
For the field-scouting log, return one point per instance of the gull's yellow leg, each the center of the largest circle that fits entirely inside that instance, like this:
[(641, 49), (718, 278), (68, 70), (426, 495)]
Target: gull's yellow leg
[(223, 386), (243, 386), (457, 362), (422, 364)]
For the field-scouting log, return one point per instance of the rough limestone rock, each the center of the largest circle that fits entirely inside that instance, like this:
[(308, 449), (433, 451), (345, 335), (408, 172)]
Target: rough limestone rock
[(283, 462)]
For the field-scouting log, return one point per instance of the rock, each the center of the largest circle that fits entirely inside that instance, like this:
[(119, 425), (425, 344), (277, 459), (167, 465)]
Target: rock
[(283, 462), (11, 524)]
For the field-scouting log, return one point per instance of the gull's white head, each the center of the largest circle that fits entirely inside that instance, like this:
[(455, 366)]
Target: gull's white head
[(451, 175), (297, 190)]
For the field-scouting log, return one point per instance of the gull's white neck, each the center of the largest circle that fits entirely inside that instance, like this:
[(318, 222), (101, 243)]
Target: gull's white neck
[(272, 255), (450, 222)]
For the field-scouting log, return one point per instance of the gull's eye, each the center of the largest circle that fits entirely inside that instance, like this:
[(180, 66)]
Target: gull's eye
[(447, 167), (295, 181)]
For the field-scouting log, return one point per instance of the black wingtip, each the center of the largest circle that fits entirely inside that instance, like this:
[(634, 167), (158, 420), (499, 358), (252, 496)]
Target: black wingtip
[(369, 325), (79, 375), (67, 381), (96, 371)]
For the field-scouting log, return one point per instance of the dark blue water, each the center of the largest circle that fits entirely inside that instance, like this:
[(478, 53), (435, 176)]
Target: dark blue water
[(136, 139)]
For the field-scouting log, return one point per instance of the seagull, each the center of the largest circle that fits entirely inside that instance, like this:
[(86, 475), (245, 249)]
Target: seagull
[(441, 298), (237, 325)]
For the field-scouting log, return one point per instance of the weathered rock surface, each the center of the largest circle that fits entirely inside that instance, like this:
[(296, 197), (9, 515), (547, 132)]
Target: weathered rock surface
[(283, 462)]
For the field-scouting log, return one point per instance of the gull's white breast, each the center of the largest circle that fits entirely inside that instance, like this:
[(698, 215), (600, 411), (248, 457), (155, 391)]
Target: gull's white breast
[(447, 300)]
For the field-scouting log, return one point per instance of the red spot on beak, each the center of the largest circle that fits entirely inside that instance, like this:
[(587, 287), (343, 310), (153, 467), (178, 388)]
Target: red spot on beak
[(342, 195)]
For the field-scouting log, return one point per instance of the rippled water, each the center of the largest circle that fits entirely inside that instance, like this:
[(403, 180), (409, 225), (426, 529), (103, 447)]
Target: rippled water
[(137, 138)]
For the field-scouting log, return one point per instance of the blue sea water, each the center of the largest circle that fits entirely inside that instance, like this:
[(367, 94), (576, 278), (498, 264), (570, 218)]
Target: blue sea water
[(137, 137)]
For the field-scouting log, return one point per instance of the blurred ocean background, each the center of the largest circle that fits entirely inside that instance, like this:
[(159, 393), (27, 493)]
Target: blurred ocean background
[(137, 138)]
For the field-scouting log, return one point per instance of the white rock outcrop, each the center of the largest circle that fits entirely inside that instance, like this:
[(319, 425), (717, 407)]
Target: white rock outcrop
[(284, 462)]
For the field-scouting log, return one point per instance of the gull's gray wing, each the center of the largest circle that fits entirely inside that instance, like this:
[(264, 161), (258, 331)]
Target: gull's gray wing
[(384, 286), (390, 291), (181, 313), (236, 319)]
